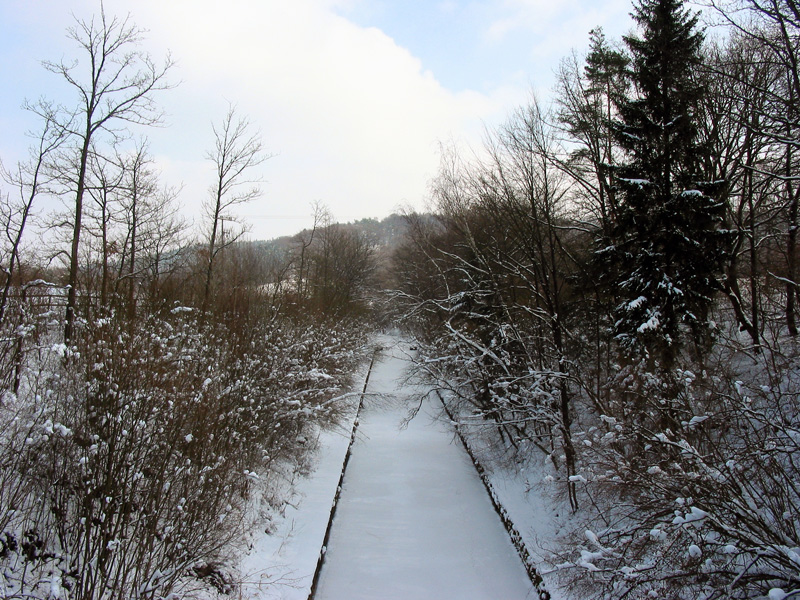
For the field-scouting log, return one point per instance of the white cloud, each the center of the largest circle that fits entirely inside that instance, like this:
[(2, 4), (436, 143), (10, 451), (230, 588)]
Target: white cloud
[(353, 118), (556, 25), (448, 7)]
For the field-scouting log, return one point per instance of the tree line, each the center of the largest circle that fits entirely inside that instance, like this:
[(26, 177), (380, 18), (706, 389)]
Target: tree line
[(611, 284)]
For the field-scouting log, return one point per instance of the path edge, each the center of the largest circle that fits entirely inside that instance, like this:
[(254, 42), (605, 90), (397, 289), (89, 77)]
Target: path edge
[(511, 528), (323, 549)]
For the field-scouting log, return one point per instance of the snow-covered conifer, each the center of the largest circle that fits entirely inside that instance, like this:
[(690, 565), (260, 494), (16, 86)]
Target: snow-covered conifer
[(666, 249)]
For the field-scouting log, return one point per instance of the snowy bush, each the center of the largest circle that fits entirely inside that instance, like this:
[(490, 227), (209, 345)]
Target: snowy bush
[(487, 385), (697, 477), (129, 460)]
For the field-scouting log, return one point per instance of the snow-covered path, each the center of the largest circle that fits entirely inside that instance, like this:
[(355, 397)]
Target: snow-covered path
[(414, 520)]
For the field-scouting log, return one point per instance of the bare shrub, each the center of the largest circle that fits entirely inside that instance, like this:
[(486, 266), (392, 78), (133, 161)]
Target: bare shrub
[(129, 465), (698, 477)]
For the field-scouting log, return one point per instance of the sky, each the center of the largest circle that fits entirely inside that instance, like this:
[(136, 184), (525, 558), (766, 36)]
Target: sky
[(353, 98)]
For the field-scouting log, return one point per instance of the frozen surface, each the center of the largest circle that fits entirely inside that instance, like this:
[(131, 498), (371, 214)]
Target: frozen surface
[(281, 566), (414, 520)]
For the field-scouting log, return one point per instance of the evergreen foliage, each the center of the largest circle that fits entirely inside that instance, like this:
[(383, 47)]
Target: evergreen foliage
[(667, 244), (586, 111)]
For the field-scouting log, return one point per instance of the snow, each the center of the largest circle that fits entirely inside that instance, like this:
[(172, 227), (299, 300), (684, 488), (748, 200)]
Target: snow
[(527, 498), (414, 520), (634, 304), (281, 566), (658, 534), (695, 514), (651, 324), (181, 309)]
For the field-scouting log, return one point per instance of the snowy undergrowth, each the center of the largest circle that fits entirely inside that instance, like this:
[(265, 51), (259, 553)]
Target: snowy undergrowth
[(130, 460), (696, 491), (686, 480)]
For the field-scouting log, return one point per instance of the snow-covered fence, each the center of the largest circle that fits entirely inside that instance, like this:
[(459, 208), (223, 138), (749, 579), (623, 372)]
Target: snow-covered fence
[(513, 533)]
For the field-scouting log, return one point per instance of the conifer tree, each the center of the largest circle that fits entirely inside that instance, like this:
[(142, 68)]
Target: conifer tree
[(586, 109), (666, 249)]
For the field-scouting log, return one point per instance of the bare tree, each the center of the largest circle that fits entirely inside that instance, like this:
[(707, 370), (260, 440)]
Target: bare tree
[(99, 224), (491, 285), (738, 153), (305, 240), (340, 267), (163, 246), (140, 186), (237, 151), (115, 85), (774, 27), (28, 180)]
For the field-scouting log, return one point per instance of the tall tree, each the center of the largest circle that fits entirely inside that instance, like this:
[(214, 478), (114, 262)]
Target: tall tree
[(586, 102), (667, 247), (114, 87), (237, 151)]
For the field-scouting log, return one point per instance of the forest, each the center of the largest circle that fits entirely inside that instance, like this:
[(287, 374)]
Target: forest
[(608, 287)]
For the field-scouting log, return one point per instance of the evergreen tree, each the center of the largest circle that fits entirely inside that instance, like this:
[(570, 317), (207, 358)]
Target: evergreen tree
[(586, 109), (666, 243)]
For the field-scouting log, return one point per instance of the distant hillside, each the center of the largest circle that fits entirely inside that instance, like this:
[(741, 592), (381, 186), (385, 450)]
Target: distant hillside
[(385, 233)]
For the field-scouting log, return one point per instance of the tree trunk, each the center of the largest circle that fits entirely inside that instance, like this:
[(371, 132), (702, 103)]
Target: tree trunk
[(72, 281), (134, 223), (791, 238), (754, 310)]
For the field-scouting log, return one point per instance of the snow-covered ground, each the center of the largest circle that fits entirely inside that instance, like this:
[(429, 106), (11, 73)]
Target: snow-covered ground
[(281, 564), (414, 520), (529, 495)]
